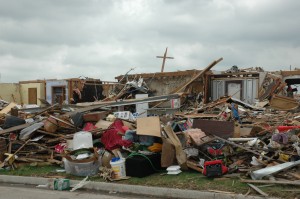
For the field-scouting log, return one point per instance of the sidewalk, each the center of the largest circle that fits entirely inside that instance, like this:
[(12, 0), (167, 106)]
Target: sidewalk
[(131, 189)]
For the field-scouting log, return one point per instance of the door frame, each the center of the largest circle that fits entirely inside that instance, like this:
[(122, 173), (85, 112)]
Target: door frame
[(63, 93)]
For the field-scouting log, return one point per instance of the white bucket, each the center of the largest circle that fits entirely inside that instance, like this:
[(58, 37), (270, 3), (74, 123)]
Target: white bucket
[(118, 166)]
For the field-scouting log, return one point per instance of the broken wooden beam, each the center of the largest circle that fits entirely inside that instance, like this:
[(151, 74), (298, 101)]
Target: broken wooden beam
[(258, 190), (272, 182), (201, 73), (14, 128), (242, 147)]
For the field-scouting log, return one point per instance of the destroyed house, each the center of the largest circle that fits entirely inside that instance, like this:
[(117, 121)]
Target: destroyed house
[(57, 91), (63, 91), (163, 83), (291, 77), (239, 84), (32, 91), (159, 84)]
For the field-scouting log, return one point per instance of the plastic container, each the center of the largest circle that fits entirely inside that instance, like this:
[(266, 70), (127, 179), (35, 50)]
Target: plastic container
[(82, 139), (61, 184), (118, 166), (82, 169)]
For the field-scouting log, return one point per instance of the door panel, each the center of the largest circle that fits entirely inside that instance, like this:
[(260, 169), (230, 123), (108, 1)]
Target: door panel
[(234, 90), (32, 95)]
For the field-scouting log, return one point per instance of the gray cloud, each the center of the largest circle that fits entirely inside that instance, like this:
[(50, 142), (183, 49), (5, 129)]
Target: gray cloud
[(104, 38)]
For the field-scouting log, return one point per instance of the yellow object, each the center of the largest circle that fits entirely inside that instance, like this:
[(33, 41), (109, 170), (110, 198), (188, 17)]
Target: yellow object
[(10, 158), (156, 147), (284, 157)]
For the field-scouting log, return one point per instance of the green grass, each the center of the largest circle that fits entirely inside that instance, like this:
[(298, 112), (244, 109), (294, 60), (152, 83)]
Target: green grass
[(185, 180), (30, 171)]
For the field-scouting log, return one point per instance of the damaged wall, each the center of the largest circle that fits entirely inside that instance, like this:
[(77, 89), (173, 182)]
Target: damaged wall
[(242, 85), (243, 89), (31, 92), (57, 91), (164, 83), (167, 85), (10, 92)]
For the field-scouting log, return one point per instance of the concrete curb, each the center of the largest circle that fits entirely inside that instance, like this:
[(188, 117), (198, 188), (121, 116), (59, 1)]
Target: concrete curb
[(131, 189)]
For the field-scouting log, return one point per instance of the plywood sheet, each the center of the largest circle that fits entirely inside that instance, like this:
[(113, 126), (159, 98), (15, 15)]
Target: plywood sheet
[(148, 126), (283, 103), (222, 129)]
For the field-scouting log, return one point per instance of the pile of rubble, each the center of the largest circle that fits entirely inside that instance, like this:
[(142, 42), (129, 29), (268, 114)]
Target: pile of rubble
[(226, 137)]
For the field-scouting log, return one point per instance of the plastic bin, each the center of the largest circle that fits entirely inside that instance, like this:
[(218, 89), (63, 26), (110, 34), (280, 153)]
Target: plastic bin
[(82, 169)]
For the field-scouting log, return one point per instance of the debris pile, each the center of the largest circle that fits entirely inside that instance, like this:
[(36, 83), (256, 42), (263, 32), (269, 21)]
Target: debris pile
[(109, 138)]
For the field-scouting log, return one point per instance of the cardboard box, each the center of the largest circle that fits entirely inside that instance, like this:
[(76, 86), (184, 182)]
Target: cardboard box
[(103, 124), (148, 126)]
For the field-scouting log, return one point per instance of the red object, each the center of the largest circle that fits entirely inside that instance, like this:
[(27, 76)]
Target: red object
[(12, 137), (214, 152), (286, 128), (89, 126), (214, 168), (125, 128), (59, 148), (111, 139)]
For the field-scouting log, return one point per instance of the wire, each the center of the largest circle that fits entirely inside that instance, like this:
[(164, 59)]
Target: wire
[(139, 154)]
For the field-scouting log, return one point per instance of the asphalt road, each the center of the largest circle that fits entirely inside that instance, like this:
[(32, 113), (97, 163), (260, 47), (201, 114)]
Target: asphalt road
[(29, 192)]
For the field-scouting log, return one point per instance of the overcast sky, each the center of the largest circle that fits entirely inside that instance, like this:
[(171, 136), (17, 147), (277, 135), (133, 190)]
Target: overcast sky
[(42, 39)]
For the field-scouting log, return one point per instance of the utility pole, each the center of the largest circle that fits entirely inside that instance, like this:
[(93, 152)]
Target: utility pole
[(164, 59)]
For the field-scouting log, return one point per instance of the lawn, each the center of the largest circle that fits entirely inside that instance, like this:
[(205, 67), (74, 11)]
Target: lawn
[(185, 180)]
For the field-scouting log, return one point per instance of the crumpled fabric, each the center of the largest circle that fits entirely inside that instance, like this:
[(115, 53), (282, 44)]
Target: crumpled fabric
[(59, 148), (131, 136), (89, 126), (111, 138), (280, 138)]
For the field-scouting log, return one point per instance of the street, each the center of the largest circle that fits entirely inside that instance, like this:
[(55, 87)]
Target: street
[(31, 192)]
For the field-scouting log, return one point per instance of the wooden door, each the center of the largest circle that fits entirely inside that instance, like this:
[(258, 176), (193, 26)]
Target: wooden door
[(32, 95)]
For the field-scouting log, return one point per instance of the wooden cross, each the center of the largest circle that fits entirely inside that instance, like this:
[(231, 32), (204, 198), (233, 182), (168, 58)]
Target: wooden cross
[(164, 59)]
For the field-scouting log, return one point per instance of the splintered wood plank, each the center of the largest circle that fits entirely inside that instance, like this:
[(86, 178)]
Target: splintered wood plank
[(8, 108), (258, 190)]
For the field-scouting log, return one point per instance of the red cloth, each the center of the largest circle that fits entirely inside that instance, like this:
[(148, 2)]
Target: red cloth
[(286, 128), (111, 139), (59, 148), (89, 126)]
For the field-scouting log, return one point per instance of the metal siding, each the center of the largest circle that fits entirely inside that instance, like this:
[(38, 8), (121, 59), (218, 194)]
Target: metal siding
[(217, 89), (250, 93), (244, 90), (255, 89), (221, 90)]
